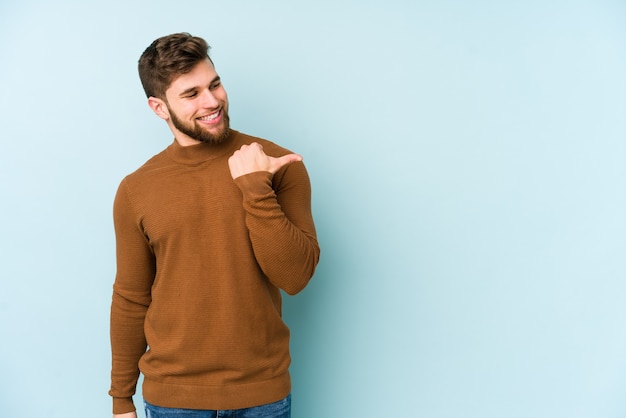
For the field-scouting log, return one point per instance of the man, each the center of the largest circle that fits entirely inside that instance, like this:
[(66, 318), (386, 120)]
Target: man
[(207, 233)]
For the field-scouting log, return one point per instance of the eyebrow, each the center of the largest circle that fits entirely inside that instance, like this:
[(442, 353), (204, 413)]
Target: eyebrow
[(194, 88)]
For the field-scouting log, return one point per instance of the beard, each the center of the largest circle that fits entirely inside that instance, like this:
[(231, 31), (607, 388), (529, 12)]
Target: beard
[(199, 133)]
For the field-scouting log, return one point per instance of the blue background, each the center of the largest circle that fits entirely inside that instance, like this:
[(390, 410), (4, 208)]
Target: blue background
[(467, 161)]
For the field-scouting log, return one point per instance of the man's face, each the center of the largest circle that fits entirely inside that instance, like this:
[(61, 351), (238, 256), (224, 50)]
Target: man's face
[(198, 106)]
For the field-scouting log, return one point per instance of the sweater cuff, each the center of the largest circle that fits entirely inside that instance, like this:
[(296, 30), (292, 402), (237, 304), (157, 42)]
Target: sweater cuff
[(123, 405), (256, 183)]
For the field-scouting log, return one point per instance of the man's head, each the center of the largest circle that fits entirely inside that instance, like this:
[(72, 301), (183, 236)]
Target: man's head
[(184, 89), (167, 58)]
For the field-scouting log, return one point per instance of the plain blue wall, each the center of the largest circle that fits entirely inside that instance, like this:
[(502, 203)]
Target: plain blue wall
[(467, 160)]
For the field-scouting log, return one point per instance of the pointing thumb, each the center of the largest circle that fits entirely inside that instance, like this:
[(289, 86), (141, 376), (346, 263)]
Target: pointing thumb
[(280, 162)]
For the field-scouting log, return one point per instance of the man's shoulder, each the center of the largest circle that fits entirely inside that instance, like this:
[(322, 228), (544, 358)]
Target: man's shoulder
[(149, 168), (157, 161)]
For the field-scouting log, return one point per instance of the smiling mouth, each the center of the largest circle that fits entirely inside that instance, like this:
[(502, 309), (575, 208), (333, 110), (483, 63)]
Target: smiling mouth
[(212, 117)]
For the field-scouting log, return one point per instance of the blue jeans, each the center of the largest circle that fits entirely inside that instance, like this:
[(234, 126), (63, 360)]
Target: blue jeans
[(280, 409)]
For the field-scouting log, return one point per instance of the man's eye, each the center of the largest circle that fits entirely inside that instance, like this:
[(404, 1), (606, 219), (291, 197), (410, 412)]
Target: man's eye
[(190, 95), (215, 85)]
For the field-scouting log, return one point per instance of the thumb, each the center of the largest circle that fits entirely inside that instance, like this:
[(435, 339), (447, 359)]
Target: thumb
[(280, 162)]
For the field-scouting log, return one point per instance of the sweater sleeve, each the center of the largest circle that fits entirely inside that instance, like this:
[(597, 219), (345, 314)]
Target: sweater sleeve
[(280, 224), (130, 301)]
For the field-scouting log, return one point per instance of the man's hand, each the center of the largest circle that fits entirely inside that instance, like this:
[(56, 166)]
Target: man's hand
[(251, 158), (126, 415)]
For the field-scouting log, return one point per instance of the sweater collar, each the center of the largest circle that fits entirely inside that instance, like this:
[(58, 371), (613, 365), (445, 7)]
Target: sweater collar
[(199, 153)]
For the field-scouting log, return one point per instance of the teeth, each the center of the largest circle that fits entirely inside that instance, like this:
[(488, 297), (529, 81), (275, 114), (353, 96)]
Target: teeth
[(210, 117)]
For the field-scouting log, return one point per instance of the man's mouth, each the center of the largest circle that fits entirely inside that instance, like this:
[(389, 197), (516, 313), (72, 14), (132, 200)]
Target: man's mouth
[(213, 117)]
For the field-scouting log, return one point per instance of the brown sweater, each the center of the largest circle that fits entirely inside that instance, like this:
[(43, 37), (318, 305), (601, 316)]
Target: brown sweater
[(200, 261)]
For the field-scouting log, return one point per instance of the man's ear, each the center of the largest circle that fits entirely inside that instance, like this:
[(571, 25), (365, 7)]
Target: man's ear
[(159, 107)]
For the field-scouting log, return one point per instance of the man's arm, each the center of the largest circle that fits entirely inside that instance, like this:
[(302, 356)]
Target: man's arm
[(277, 200), (131, 298)]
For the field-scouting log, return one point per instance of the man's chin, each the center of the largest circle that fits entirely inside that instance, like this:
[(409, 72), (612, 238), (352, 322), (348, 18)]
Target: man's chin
[(214, 137)]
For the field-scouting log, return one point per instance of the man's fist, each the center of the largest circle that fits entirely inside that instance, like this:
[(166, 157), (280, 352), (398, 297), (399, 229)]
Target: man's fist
[(251, 158)]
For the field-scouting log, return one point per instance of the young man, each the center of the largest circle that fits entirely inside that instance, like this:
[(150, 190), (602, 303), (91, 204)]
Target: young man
[(207, 233)]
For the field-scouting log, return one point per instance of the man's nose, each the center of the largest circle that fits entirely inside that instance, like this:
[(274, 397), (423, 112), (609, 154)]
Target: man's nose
[(208, 100)]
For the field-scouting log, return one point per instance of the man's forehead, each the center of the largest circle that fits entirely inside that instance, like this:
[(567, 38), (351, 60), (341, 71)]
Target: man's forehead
[(201, 74)]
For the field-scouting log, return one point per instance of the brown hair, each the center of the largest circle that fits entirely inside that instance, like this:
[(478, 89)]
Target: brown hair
[(168, 57)]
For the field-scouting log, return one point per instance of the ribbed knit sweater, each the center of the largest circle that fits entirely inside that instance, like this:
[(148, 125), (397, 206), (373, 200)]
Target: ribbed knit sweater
[(200, 260)]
